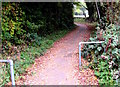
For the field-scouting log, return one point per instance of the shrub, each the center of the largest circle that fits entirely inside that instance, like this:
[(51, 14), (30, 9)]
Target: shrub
[(105, 57)]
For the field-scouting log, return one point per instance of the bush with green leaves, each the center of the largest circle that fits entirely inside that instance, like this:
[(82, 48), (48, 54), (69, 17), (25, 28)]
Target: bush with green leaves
[(105, 58), (12, 22), (28, 54), (28, 30)]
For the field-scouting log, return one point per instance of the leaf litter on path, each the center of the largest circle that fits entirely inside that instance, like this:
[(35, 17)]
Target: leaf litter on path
[(60, 64)]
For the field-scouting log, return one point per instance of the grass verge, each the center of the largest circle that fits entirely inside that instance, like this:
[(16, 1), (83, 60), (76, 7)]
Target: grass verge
[(83, 21), (28, 56)]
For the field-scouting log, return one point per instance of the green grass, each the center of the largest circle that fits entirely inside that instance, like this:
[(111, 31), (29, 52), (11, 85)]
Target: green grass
[(82, 21), (30, 53)]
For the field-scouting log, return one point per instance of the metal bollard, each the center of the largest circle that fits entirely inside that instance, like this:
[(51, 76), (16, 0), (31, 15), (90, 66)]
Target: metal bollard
[(11, 70), (80, 49)]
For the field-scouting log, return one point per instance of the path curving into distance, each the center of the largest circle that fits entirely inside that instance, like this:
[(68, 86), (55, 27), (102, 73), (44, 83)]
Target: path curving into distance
[(59, 65)]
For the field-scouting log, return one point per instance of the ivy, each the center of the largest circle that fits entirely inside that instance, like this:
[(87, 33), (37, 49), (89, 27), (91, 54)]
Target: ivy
[(105, 56)]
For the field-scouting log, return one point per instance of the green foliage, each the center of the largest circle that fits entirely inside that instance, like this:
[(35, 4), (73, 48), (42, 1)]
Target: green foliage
[(21, 19), (33, 38), (105, 57), (4, 77), (80, 20), (38, 20), (103, 73), (28, 29), (29, 54), (12, 22), (83, 21)]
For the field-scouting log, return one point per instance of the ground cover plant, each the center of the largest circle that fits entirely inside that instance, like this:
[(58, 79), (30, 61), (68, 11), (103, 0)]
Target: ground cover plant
[(105, 58), (28, 31)]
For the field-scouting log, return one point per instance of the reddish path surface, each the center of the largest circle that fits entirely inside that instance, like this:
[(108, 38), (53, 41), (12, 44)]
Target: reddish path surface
[(59, 65)]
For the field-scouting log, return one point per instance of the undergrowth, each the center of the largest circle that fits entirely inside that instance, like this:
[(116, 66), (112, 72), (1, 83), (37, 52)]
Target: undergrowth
[(26, 56), (28, 31), (105, 58)]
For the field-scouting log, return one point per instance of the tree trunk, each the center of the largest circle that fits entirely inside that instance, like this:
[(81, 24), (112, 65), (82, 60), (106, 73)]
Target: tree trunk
[(91, 10)]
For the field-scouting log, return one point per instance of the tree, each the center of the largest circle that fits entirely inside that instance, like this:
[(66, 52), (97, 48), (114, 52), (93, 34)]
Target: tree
[(91, 10)]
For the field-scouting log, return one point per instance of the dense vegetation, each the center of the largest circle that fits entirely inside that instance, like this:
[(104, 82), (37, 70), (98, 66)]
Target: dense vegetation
[(28, 29), (105, 58), (21, 19)]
